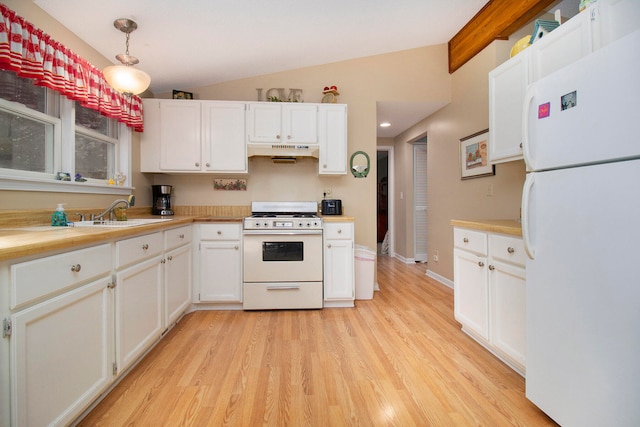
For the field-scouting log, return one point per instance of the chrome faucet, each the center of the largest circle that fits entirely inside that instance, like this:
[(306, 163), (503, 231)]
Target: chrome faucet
[(129, 201)]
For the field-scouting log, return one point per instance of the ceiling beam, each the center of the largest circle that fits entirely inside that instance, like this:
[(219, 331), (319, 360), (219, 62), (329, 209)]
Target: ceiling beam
[(497, 20)]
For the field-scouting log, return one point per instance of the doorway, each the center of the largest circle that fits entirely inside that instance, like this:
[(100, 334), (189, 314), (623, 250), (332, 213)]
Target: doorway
[(420, 200), (384, 201)]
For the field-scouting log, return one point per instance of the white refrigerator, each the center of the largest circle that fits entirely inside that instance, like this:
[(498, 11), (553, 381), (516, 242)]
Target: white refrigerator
[(581, 227)]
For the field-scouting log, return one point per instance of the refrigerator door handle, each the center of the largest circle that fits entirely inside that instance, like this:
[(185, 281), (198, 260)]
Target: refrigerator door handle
[(526, 195), (526, 152)]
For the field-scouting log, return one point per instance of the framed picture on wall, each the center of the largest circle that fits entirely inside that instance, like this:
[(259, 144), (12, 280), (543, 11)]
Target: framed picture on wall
[(474, 156)]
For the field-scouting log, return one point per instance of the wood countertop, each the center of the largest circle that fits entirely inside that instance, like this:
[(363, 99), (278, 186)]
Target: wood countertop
[(17, 242), (337, 218), (25, 241), (504, 226)]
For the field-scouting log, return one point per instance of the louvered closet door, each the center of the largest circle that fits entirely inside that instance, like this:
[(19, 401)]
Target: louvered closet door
[(420, 201)]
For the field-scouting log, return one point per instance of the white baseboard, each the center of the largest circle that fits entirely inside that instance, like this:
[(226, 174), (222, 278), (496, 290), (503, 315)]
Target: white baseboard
[(439, 278)]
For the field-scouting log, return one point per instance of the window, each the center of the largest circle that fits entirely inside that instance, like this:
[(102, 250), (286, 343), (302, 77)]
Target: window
[(28, 125), (43, 133), (96, 137)]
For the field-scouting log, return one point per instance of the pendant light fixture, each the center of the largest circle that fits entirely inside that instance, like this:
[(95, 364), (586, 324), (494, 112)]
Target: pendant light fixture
[(125, 78)]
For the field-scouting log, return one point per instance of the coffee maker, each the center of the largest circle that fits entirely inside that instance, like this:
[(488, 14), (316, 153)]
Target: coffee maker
[(161, 200)]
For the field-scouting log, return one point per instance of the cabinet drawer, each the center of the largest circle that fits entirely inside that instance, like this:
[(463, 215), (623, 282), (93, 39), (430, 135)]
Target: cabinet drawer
[(220, 231), (136, 249), (268, 296), (177, 237), (469, 240), (45, 277), (342, 230), (508, 249)]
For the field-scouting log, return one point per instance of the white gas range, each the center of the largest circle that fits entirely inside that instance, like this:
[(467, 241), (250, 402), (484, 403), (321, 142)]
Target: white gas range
[(283, 265)]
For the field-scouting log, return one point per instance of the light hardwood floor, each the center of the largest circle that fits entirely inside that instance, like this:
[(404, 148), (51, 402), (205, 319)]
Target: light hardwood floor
[(399, 360)]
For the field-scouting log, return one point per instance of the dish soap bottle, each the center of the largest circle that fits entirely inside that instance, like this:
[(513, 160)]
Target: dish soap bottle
[(59, 217)]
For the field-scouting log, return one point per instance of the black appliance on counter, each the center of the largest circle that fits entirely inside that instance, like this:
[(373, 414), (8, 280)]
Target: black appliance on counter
[(331, 207), (161, 200)]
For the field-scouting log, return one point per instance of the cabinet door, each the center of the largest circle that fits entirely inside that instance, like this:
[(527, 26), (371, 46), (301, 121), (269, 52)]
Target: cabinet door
[(507, 88), (61, 355), (180, 135), (563, 46), (264, 122), (508, 311), (220, 271), (470, 296), (332, 138), (338, 269), (138, 310), (224, 143), (177, 283), (299, 124)]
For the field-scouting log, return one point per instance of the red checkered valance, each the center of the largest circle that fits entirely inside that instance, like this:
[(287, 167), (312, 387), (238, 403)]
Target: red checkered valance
[(33, 54)]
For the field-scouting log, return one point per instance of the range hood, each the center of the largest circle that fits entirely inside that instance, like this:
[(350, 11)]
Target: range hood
[(284, 153)]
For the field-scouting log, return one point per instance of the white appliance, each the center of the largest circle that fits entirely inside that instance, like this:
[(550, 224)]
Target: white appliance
[(581, 214), (282, 256)]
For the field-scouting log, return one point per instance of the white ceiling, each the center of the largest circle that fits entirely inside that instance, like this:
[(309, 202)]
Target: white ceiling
[(189, 43)]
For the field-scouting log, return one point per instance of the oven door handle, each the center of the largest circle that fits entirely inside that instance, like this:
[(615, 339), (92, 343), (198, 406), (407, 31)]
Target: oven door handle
[(282, 232), (283, 288)]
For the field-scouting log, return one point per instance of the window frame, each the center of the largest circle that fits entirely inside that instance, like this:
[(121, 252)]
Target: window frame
[(64, 154)]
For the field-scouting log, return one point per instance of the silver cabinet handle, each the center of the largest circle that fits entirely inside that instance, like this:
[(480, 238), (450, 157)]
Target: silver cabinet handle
[(181, 236), (480, 264), (111, 285), (219, 232), (236, 247), (170, 258), (329, 245), (340, 231), (465, 240), (145, 247), (76, 268), (491, 267), (197, 164), (163, 261), (207, 164), (277, 136), (282, 288), (510, 250)]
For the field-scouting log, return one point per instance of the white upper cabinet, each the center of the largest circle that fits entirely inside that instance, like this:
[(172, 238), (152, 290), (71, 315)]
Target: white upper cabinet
[(193, 136), (282, 123), (598, 25), (507, 88), (332, 137), (223, 128), (180, 135)]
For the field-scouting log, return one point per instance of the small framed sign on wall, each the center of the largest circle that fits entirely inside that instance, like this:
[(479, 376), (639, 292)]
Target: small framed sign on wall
[(474, 156)]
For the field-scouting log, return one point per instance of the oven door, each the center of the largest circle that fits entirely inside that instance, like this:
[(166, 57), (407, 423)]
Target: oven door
[(280, 256)]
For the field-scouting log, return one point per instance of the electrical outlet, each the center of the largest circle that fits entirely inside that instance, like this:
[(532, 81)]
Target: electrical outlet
[(490, 190), (327, 192), (436, 255)]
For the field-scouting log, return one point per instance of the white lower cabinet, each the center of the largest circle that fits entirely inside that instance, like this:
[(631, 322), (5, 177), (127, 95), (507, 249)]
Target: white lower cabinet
[(61, 355), (339, 280), (138, 310), (177, 283), (178, 267), (489, 292), (219, 263), (74, 321)]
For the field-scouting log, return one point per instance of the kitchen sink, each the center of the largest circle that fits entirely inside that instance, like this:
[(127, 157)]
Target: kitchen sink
[(120, 224)]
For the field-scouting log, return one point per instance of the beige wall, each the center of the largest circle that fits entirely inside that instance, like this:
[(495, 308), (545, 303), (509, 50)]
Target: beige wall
[(418, 75), (413, 75)]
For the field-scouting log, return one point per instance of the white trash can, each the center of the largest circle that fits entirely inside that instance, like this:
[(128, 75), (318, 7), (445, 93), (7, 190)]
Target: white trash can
[(365, 262)]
